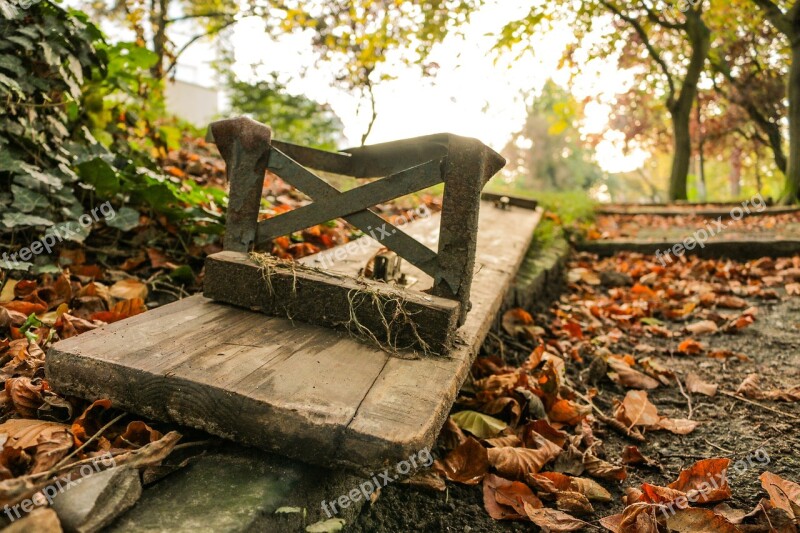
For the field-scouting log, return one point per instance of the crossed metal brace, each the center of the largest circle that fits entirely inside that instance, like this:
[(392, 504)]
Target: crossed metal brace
[(464, 165)]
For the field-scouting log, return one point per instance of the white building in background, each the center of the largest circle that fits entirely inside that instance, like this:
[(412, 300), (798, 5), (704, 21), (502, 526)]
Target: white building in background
[(193, 102)]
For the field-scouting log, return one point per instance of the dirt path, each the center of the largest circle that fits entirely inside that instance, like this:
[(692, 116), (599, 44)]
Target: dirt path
[(626, 305)]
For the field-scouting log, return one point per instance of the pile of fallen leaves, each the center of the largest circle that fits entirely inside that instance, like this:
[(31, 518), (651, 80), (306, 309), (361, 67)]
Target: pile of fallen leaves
[(46, 437), (532, 433), (612, 227)]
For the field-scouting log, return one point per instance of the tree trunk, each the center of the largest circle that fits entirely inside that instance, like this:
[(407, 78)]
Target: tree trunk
[(159, 37), (681, 108), (791, 193), (735, 177)]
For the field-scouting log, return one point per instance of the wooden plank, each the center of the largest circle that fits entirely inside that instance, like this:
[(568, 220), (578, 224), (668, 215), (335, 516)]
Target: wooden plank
[(411, 400), (399, 319), (303, 391), (755, 247)]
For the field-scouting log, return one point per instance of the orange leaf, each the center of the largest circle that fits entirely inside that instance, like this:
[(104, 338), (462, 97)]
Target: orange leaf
[(26, 308), (705, 481), (782, 493), (466, 464)]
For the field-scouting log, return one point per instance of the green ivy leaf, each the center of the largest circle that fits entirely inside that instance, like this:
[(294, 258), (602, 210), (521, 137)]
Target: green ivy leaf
[(101, 175), (26, 200), (18, 220), (481, 425), (34, 178), (126, 219)]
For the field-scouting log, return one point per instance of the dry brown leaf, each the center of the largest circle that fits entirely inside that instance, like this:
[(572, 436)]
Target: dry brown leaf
[(551, 520), (466, 464), (25, 395), (598, 468), (629, 377), (9, 318), (632, 456), (573, 502), (504, 499), (731, 302), (703, 327), (151, 454), (426, 479), (691, 347), (696, 520), (507, 440), (657, 494), (636, 410), (568, 412), (7, 293), (750, 388), (47, 442), (782, 493), (129, 289), (136, 435), (695, 384), (517, 463), (639, 518), (678, 426)]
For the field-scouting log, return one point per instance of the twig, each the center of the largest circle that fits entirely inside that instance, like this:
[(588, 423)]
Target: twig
[(616, 425), (745, 400), (88, 441), (53, 472), (720, 448), (192, 444), (688, 397)]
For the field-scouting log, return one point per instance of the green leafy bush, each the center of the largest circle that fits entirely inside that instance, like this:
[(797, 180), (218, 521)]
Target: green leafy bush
[(83, 122), (46, 55)]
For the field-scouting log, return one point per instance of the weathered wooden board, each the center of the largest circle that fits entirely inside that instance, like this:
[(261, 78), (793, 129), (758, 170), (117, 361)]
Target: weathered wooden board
[(755, 247), (392, 316), (303, 391)]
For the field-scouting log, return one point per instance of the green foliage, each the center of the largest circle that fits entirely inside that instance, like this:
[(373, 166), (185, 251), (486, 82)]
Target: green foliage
[(294, 118), (45, 56), (549, 153), (83, 122)]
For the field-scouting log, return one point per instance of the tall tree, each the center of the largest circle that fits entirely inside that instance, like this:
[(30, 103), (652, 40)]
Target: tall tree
[(294, 117), (549, 152), (675, 44), (784, 15), (749, 63)]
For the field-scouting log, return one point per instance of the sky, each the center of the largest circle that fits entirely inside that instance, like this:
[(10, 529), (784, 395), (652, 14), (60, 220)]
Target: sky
[(475, 93)]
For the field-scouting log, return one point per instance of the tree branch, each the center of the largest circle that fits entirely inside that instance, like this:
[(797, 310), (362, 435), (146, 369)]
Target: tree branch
[(190, 42), (201, 15), (658, 20), (639, 29), (777, 17)]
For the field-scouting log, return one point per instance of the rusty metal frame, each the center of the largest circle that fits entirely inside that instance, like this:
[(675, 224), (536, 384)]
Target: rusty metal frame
[(464, 165)]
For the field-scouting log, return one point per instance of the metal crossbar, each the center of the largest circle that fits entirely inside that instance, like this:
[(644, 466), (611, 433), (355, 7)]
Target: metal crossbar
[(464, 165)]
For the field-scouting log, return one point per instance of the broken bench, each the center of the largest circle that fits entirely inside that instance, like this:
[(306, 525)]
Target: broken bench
[(294, 387)]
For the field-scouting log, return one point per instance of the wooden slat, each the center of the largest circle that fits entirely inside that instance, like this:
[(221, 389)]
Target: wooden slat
[(334, 301), (306, 392), (349, 202), (366, 220)]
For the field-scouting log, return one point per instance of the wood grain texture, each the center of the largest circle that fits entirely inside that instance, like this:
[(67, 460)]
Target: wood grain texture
[(302, 391)]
